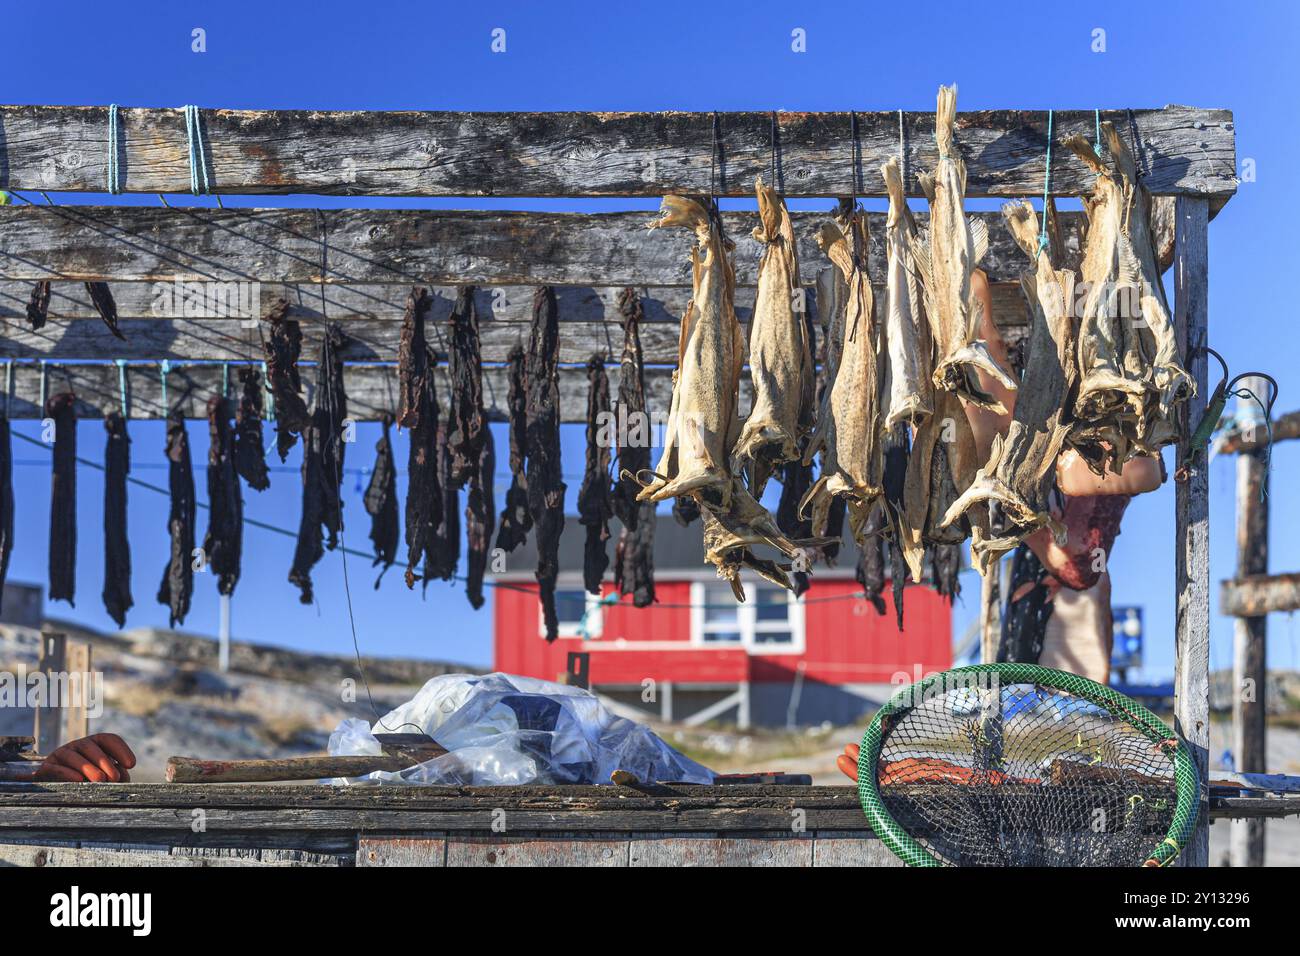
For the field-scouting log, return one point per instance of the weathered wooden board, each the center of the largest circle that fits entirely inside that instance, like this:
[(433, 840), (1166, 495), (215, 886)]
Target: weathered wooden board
[(1182, 150), (46, 855), (1192, 514), (385, 850), (551, 849), (371, 389), (713, 849), (1259, 594), (1285, 428), (431, 247)]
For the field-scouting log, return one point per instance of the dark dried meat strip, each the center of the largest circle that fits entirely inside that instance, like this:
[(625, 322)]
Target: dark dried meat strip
[(178, 576), (38, 306), (250, 453), (63, 498), (283, 347), (413, 362), (117, 548), (466, 421), (423, 490), (546, 486), (479, 520), (516, 522), (594, 505), (381, 502), (223, 544), (101, 297)]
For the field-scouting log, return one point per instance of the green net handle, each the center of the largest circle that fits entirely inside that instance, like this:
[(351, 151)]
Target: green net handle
[(1187, 781)]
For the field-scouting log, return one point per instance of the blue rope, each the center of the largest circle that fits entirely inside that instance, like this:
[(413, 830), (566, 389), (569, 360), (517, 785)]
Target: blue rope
[(1047, 183), (200, 184), (121, 385), (114, 171)]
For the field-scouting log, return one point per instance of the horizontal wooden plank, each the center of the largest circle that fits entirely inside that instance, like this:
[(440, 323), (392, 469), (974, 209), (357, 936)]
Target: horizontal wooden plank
[(1259, 594), (28, 854), (1285, 428), (405, 247), (1183, 150), (371, 389)]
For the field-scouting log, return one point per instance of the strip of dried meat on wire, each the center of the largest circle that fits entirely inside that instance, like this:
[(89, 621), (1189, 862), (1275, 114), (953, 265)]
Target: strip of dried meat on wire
[(945, 568), (780, 354), (480, 519), (443, 554), (101, 297), (178, 576), (796, 479), (516, 522), (117, 548), (322, 465), (381, 502), (466, 421), (223, 544), (283, 347), (595, 507), (250, 453), (63, 498), (634, 552), (546, 486), (413, 362), (6, 501), (424, 500), (38, 306)]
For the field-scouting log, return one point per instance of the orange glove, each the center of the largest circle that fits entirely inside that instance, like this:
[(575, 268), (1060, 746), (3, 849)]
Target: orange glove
[(97, 759)]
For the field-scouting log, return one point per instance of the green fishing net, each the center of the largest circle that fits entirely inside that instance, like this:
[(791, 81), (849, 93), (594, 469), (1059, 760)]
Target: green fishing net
[(1019, 765)]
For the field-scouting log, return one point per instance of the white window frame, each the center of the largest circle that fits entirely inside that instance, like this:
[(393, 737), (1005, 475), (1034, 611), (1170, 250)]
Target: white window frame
[(595, 616), (748, 625)]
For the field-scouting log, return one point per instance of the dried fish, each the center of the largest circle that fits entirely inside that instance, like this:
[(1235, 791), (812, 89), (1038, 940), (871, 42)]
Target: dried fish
[(634, 553), (1020, 474), (780, 353), (466, 419), (101, 297), (1132, 376), (63, 498), (414, 366), (423, 489), (250, 453), (480, 519), (223, 544), (955, 247), (515, 519), (595, 506), (117, 548), (38, 306), (906, 331), (848, 426), (178, 576), (703, 421), (283, 346), (546, 486), (381, 502)]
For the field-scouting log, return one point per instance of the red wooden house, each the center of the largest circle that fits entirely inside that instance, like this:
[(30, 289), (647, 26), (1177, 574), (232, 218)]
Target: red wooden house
[(697, 655)]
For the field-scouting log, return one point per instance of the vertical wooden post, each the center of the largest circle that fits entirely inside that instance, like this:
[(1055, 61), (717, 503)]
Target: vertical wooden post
[(1250, 640), (47, 726), (76, 716), (990, 614), (1192, 513)]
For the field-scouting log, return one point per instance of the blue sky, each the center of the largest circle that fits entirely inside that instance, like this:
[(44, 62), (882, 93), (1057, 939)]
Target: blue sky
[(668, 55)]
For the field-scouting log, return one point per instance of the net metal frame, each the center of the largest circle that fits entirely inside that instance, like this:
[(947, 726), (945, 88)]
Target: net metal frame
[(1116, 705)]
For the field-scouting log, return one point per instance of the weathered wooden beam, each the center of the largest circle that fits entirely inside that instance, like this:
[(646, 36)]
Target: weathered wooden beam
[(371, 389), (1192, 514), (1183, 150), (1259, 594), (405, 247), (1285, 428), (1250, 634)]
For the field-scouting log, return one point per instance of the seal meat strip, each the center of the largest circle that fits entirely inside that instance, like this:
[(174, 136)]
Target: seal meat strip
[(1021, 471), (634, 552), (780, 355), (956, 244), (1132, 374)]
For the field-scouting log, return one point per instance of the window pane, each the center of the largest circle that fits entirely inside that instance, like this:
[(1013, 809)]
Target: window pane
[(570, 606), (772, 604), (773, 637), (720, 606), (722, 637)]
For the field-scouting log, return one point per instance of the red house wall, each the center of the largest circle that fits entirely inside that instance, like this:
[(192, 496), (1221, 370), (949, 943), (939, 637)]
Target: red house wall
[(846, 642)]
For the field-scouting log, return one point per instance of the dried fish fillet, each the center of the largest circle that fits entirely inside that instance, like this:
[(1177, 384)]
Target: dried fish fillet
[(702, 421), (1021, 471), (780, 355), (907, 333), (955, 247), (1132, 376), (848, 427)]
